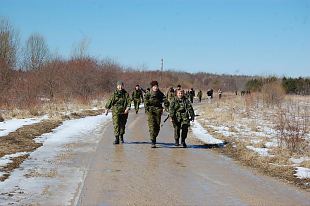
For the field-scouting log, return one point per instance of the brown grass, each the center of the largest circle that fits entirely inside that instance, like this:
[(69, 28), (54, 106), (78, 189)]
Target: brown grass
[(249, 107)]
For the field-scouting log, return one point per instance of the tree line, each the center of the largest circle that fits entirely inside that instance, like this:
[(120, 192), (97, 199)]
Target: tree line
[(31, 74), (300, 85)]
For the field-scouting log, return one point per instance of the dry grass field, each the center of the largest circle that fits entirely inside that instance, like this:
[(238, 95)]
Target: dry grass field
[(272, 136)]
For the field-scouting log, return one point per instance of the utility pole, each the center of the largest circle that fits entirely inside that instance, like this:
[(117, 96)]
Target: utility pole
[(161, 69)]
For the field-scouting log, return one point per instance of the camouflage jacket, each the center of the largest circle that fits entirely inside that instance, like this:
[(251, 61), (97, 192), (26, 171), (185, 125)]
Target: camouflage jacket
[(154, 101), (119, 101), (181, 111), (199, 94), (137, 94), (170, 96), (191, 93)]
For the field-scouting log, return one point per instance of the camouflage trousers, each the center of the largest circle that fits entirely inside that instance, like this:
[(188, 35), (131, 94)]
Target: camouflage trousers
[(119, 123), (136, 103), (191, 99), (153, 119), (180, 130)]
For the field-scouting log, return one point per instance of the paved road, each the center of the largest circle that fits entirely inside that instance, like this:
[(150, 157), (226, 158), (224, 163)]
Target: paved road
[(135, 174)]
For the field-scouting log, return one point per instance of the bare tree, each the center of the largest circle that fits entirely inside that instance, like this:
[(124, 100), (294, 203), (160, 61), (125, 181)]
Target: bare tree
[(36, 52), (9, 41), (80, 49)]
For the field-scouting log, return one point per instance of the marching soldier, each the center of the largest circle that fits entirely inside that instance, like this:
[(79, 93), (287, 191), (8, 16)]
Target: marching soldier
[(199, 95), (170, 94), (191, 95), (147, 91), (120, 104), (137, 97), (181, 113), (153, 105), (220, 93)]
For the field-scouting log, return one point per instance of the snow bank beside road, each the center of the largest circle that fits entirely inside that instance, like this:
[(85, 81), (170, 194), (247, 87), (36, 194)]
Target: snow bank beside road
[(51, 176), (12, 125), (203, 135)]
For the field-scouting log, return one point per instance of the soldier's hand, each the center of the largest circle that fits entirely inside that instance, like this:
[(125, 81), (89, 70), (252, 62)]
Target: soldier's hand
[(193, 119), (106, 112), (126, 111)]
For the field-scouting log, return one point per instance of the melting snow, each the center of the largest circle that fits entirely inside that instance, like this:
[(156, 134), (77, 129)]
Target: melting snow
[(299, 160), (273, 143), (260, 151), (6, 159), (203, 134), (12, 125), (50, 175), (302, 172)]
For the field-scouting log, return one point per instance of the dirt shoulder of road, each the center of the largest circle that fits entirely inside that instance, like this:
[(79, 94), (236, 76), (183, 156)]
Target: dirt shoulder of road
[(23, 139), (240, 153)]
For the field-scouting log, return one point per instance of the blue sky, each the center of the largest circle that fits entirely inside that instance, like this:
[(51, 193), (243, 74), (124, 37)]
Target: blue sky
[(253, 37)]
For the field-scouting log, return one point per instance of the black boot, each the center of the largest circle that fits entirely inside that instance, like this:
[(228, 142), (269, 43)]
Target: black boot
[(176, 143), (183, 143), (153, 144), (116, 141), (136, 111), (122, 138)]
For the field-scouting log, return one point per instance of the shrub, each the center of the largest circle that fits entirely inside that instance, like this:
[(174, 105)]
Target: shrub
[(292, 124), (273, 93)]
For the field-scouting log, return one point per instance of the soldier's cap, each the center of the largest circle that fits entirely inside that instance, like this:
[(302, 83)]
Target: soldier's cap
[(137, 85), (179, 85), (119, 83), (153, 83)]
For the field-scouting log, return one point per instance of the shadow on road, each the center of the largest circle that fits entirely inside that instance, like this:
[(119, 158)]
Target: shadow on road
[(171, 145)]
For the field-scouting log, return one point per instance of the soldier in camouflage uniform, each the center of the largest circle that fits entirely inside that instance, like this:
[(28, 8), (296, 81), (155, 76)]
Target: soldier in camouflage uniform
[(137, 97), (120, 104), (181, 113), (199, 95), (170, 94), (191, 94), (153, 105)]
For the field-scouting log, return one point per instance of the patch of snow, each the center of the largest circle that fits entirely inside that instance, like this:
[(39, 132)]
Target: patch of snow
[(299, 160), (222, 130), (255, 141), (259, 134), (273, 143), (6, 159), (269, 131), (203, 135), (302, 172), (260, 151), (12, 125), (219, 109), (51, 175)]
